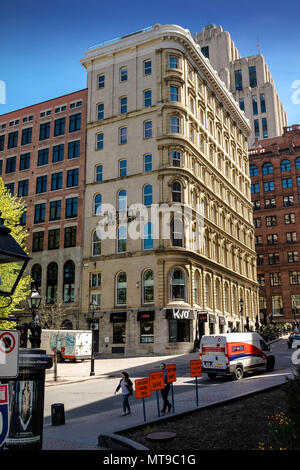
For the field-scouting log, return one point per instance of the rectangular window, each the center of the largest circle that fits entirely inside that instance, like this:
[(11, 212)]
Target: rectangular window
[(258, 240), (2, 142), (261, 280), (37, 241), (74, 149), (101, 81), (100, 141), (262, 103), (39, 213), (291, 237), (123, 135), (26, 136), (252, 77), (71, 207), (277, 305), (275, 279), (119, 333), (72, 177), (242, 104), (238, 79), (260, 260), (289, 219), (147, 98), (148, 162), (173, 62), (24, 161), (100, 111), (45, 131), (70, 237), (270, 203), (58, 153), (123, 168), (12, 140), (287, 183), (295, 277), (256, 127), (99, 173), (10, 165), (264, 128), (272, 238), (176, 158), (254, 104), (271, 221), (59, 126), (147, 130), (123, 74), (257, 222), (269, 186), (273, 258), (75, 122), (174, 93), (254, 188), (123, 105), (55, 210), (95, 280), (205, 51), (175, 125), (56, 181), (292, 256), (10, 187), (23, 188), (53, 239), (147, 67), (288, 201), (41, 184), (256, 205), (43, 157)]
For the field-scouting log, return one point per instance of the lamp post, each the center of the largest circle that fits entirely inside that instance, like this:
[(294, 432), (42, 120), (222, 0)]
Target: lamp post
[(34, 302), (93, 305), (241, 312)]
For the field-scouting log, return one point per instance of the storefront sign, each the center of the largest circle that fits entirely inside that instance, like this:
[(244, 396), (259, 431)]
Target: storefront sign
[(221, 320), (196, 368), (180, 314), (142, 388), (145, 316), (156, 381), (171, 373), (118, 317), (202, 316)]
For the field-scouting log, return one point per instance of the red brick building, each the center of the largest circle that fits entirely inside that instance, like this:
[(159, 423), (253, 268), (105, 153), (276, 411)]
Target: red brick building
[(42, 160), (275, 178)]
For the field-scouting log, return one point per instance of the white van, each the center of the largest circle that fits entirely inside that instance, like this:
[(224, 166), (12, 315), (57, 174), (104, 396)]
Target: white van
[(234, 353)]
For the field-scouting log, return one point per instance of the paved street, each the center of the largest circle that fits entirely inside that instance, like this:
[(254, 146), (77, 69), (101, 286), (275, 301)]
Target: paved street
[(91, 407)]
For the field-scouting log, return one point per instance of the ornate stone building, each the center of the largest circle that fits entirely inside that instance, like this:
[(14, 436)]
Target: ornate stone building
[(162, 129)]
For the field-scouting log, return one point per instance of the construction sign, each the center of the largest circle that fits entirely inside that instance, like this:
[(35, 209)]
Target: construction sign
[(142, 388), (156, 381), (171, 373), (196, 368)]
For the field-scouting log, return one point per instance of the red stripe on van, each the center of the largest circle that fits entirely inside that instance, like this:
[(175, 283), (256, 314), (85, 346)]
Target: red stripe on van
[(208, 349)]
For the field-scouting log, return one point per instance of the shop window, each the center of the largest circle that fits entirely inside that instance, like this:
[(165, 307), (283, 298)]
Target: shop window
[(179, 331)]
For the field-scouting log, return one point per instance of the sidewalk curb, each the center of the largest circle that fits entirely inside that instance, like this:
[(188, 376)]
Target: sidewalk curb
[(116, 442)]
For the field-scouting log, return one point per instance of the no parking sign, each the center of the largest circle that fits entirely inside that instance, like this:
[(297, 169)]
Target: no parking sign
[(3, 413), (9, 353)]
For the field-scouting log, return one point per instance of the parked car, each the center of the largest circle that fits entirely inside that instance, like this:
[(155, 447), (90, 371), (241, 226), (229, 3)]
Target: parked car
[(292, 336), (296, 341)]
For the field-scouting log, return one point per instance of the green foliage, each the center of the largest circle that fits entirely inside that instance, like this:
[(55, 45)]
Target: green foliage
[(292, 397), (11, 209)]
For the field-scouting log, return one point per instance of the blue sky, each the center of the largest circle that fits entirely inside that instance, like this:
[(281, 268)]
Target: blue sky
[(42, 41)]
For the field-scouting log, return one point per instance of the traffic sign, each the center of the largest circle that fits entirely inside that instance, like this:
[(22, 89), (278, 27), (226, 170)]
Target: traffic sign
[(171, 373), (196, 368), (142, 388), (9, 353), (3, 413), (156, 381)]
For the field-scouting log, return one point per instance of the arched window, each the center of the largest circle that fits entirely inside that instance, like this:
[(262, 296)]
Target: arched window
[(178, 285), (285, 165), (148, 287), (36, 274), (97, 204), (253, 170), (52, 276), (148, 236), (208, 291), (69, 281), (121, 288), (96, 248), (267, 169), (147, 194), (177, 233), (176, 191), (122, 200)]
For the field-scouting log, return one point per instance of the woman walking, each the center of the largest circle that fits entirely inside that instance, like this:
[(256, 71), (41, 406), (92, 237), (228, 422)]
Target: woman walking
[(127, 390)]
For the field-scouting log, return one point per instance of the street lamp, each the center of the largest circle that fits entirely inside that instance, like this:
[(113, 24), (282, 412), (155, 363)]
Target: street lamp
[(241, 311), (34, 302), (93, 305), (13, 261)]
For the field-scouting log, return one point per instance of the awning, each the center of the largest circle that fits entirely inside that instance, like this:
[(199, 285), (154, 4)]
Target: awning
[(146, 315), (118, 317)]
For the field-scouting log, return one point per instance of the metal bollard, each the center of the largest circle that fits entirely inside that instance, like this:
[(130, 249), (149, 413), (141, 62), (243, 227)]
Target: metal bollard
[(57, 414)]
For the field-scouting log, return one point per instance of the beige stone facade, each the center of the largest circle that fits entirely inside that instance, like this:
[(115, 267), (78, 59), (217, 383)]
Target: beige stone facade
[(248, 79), (163, 129)]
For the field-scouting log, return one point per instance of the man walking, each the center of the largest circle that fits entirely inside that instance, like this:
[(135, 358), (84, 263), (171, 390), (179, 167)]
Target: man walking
[(165, 391)]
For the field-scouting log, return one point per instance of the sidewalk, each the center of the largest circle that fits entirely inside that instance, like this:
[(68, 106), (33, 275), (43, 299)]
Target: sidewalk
[(82, 433)]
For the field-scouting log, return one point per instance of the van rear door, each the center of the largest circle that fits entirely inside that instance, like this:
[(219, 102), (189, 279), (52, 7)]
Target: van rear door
[(213, 353)]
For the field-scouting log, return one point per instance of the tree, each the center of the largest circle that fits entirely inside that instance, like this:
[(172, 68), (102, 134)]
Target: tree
[(12, 209)]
